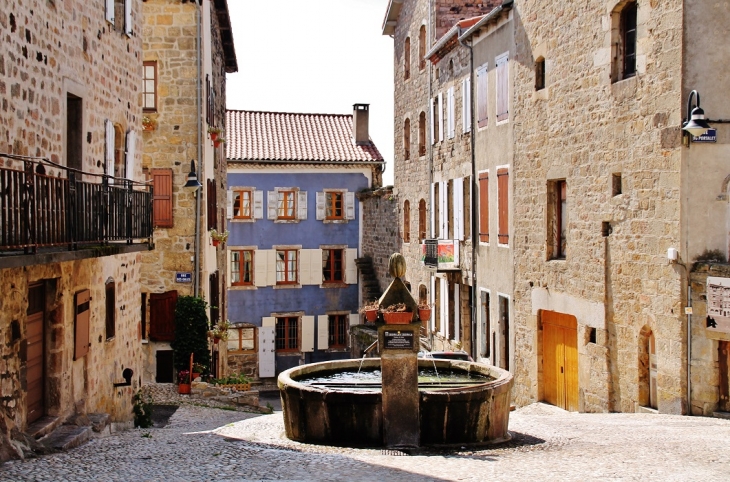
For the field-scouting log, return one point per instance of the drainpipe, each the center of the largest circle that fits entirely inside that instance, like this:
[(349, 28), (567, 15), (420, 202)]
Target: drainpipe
[(198, 192), (430, 144)]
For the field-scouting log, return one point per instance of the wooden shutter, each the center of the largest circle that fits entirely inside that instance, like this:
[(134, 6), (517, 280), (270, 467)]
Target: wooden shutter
[(458, 195), (350, 205), (131, 152), (484, 207), (109, 148), (466, 108), (350, 266), (128, 17), (450, 102), (162, 316), (81, 323), (503, 206), (260, 267), (307, 334), (267, 347), (229, 204), (502, 88), (109, 13), (433, 210), (212, 204), (305, 274), (302, 205), (482, 104), (320, 200), (272, 204), (258, 204), (215, 301), (323, 325), (440, 112), (433, 137), (457, 313), (270, 267), (443, 210), (162, 198), (354, 319)]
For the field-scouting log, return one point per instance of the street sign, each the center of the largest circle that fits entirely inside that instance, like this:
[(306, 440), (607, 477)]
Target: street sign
[(183, 277), (709, 136)]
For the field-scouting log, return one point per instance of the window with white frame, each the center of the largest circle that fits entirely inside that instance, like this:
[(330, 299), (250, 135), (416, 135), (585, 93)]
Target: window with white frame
[(335, 205), (149, 86), (437, 119), (245, 204), (242, 340)]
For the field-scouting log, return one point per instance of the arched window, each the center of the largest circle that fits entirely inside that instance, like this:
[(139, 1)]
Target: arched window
[(422, 219), (407, 139), (407, 59), (406, 221), (623, 39), (422, 134), (422, 48)]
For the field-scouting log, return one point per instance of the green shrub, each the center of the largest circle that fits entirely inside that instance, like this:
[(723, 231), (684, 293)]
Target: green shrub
[(142, 410), (191, 332)]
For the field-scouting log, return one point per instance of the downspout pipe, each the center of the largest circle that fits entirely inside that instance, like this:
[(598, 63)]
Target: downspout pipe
[(430, 153), (198, 192)]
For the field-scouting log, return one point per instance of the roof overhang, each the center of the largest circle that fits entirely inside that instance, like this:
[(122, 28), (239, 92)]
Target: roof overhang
[(391, 16), (224, 24), (492, 16)]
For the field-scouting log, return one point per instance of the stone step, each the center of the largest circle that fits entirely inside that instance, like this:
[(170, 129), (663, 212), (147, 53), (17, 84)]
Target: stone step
[(67, 437), (641, 409), (99, 421), (725, 415), (43, 426)]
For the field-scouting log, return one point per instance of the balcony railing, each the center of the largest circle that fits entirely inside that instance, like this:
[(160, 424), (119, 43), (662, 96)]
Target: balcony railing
[(43, 204)]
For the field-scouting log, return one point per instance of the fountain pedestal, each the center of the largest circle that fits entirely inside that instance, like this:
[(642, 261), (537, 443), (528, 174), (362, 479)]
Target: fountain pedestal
[(399, 366)]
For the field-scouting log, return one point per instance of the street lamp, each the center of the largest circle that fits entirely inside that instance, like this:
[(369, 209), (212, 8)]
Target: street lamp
[(192, 185), (696, 124)]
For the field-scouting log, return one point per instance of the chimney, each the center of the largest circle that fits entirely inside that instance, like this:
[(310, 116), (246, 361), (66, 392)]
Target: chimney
[(360, 115)]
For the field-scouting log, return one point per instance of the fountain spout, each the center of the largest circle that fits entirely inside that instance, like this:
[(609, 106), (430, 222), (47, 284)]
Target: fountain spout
[(370, 348)]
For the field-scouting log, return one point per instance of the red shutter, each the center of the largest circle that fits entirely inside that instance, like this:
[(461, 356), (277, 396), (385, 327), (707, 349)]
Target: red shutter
[(212, 203), (503, 191), (81, 326), (484, 207), (162, 198), (162, 316)]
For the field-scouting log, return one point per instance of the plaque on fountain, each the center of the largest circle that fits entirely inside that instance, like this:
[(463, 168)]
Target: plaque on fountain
[(398, 340)]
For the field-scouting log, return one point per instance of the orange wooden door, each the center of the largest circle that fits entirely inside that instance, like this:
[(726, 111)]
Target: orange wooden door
[(560, 360)]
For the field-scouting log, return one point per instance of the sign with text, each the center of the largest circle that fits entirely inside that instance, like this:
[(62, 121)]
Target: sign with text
[(709, 136), (398, 340), (183, 277)]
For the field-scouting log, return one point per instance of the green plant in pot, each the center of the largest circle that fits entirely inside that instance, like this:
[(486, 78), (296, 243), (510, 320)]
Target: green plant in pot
[(191, 332)]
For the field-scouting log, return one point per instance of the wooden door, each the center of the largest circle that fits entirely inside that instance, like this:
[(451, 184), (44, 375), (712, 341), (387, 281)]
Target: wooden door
[(652, 372), (723, 352), (35, 368), (560, 360), (162, 316)]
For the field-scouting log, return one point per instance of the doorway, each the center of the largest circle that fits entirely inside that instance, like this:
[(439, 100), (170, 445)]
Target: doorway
[(723, 358), (560, 359), (35, 365)]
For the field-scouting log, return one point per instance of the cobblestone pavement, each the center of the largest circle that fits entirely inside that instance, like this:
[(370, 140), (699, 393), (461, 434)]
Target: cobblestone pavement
[(202, 443)]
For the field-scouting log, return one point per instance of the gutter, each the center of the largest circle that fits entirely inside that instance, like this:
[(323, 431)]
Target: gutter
[(280, 161), (198, 193)]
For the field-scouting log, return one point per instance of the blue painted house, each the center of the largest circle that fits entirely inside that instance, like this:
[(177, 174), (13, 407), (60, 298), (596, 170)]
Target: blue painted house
[(295, 232)]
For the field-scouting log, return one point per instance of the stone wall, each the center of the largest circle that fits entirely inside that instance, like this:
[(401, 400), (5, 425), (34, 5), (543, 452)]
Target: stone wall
[(380, 236)]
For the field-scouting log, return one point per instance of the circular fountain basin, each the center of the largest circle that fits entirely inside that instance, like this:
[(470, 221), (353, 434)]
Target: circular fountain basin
[(471, 408)]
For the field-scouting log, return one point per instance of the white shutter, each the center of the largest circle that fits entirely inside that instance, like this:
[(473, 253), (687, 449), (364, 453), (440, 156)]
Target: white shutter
[(443, 210), (270, 267), (482, 96), (131, 148), (350, 266), (466, 108), (459, 208), (304, 267), (457, 317), (258, 204), (110, 11), (267, 348), (228, 268), (316, 267), (128, 17), (323, 336), (307, 333), (229, 204), (302, 205), (444, 288), (260, 266), (441, 116), (109, 152), (350, 205), (354, 319), (433, 137), (452, 111), (272, 204), (432, 300), (434, 202), (320, 205)]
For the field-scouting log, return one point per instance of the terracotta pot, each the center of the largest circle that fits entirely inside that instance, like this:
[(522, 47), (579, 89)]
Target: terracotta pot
[(216, 143), (216, 340), (371, 315), (213, 136), (424, 314), (216, 242), (398, 317), (148, 127), (183, 388), (195, 375)]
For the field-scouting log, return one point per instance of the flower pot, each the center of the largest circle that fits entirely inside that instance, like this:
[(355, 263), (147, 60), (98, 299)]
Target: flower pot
[(183, 388), (148, 127), (371, 315), (216, 242), (216, 143), (424, 314), (196, 375), (398, 317), (213, 136), (216, 340)]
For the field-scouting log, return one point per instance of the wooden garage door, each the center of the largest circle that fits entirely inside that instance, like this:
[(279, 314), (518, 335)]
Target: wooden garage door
[(560, 359), (35, 365)]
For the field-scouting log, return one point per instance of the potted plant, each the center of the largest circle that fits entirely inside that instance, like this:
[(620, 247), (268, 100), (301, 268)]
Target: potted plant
[(220, 331), (183, 382), (214, 132), (397, 314), (191, 333), (148, 123), (198, 370), (424, 311), (219, 141), (371, 311), (217, 237), (238, 382)]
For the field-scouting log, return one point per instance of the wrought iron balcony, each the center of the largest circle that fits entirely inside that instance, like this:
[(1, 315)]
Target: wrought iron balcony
[(45, 205)]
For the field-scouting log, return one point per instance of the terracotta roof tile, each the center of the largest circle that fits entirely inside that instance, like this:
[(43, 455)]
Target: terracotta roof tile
[(279, 136)]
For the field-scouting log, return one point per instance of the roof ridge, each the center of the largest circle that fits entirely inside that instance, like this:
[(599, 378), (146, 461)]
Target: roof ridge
[(285, 113)]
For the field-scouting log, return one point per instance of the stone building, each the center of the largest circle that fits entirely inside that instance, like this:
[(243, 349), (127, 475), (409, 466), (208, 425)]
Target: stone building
[(72, 235), (187, 50)]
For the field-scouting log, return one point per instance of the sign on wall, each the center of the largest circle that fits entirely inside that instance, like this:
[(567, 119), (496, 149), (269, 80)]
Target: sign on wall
[(183, 277), (718, 304), (709, 136)]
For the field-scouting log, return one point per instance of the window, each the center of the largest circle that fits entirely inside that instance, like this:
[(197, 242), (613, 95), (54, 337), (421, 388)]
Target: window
[(422, 219), (407, 139), (286, 266), (286, 205), (149, 86), (557, 219), (616, 184), (540, 73), (211, 194), (333, 205), (332, 264), (503, 205), (242, 267), (450, 113), (502, 74), (338, 328), (484, 207), (482, 104), (74, 132), (422, 134), (242, 204), (111, 308), (437, 133), (623, 39), (466, 207), (119, 14), (406, 221), (422, 48), (407, 59), (436, 211), (486, 325), (466, 107), (287, 333), (162, 198), (242, 340)]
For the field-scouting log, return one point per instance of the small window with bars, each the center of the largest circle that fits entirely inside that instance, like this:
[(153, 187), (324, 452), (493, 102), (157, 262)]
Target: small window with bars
[(287, 333)]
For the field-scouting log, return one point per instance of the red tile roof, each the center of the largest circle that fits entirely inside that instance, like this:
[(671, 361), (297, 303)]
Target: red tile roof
[(279, 136)]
